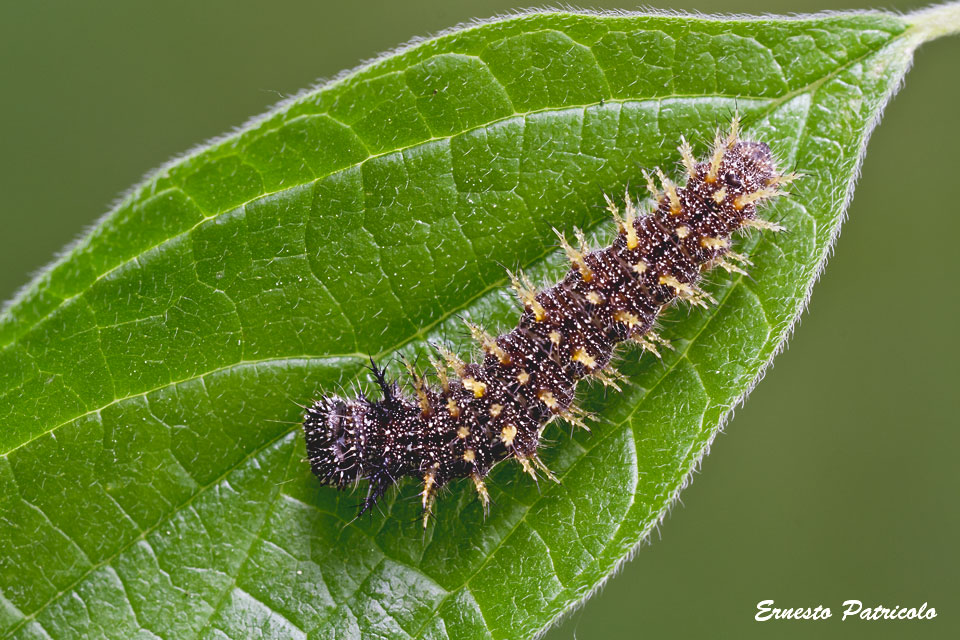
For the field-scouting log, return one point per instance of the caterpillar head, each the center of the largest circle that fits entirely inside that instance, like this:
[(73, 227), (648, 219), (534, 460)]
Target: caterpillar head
[(346, 437), (333, 429)]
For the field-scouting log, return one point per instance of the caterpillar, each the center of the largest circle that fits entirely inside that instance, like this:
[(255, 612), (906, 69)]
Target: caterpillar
[(497, 409)]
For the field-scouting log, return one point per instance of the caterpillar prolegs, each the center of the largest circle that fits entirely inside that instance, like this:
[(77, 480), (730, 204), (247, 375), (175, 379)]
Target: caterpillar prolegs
[(480, 413)]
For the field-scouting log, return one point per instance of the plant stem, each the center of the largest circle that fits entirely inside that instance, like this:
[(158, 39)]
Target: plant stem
[(934, 22)]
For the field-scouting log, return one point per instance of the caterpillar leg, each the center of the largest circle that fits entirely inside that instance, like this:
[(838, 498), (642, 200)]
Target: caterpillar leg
[(378, 486)]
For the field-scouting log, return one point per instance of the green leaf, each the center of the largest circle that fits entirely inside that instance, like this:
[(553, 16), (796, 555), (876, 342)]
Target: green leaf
[(151, 472)]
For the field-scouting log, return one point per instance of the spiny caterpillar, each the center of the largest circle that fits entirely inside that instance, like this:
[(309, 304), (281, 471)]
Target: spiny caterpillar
[(497, 409)]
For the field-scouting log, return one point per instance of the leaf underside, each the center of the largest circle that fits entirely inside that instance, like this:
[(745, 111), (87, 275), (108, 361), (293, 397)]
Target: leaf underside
[(151, 475)]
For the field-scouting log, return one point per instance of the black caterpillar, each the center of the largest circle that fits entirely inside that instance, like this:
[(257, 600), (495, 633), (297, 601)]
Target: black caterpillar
[(497, 409)]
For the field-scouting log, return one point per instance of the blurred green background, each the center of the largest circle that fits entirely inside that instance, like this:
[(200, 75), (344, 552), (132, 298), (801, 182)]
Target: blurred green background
[(837, 479)]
